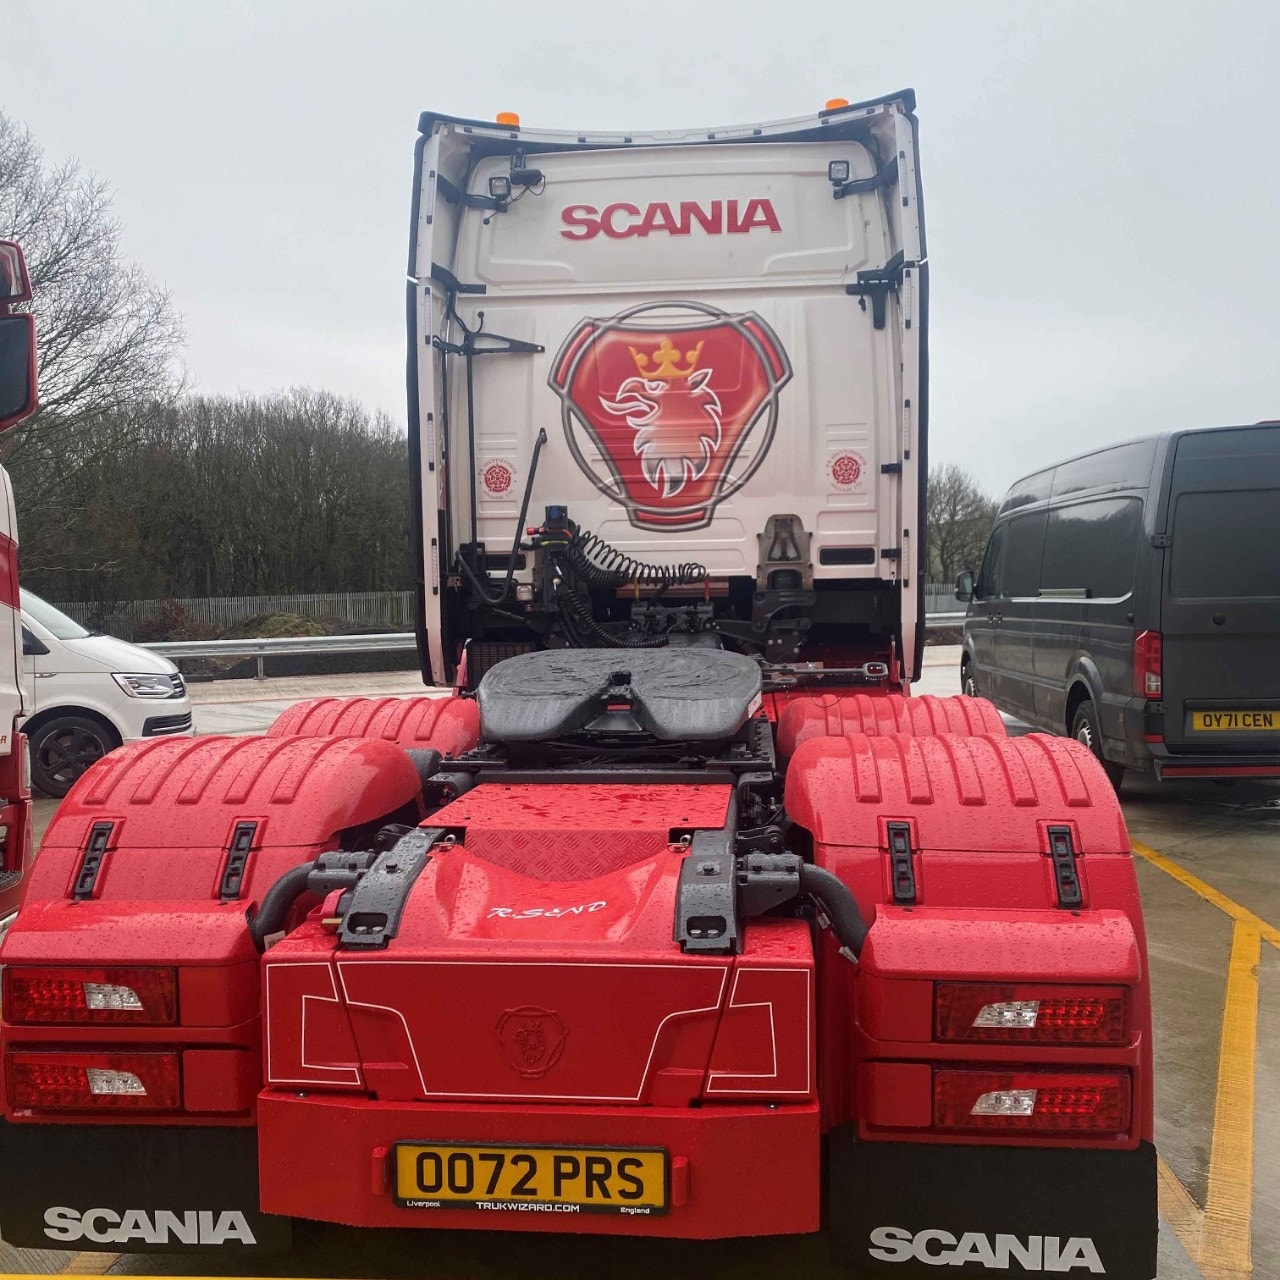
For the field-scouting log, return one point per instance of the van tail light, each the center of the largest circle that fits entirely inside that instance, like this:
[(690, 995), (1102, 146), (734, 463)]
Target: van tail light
[(70, 1081), (76, 995), (1148, 664), (1019, 1013), (1044, 1102)]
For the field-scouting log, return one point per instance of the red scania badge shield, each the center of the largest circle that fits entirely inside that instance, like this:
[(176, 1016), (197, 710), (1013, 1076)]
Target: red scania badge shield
[(670, 393), (531, 1040)]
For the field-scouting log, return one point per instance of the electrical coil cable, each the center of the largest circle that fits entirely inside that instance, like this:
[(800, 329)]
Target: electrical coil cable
[(602, 566)]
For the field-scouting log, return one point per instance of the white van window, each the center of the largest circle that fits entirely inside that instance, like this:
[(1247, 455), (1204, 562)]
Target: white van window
[(1093, 547), (51, 619)]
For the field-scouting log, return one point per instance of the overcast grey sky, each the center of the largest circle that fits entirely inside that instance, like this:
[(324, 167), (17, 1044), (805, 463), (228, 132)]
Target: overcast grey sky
[(1101, 181)]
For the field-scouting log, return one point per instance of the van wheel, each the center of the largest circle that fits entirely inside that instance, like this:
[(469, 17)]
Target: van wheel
[(1085, 728), (968, 685), (63, 748)]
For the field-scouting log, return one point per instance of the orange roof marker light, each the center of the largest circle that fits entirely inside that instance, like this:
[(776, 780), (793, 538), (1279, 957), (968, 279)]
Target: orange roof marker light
[(508, 117), (834, 104)]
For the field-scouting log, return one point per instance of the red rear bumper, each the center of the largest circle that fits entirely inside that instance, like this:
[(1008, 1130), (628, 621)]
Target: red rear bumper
[(735, 1170)]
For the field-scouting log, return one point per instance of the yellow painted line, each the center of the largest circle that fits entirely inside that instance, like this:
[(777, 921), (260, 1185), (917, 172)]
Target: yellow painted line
[(1179, 1210), (90, 1264), (1215, 896), (1219, 1240), (1228, 1208)]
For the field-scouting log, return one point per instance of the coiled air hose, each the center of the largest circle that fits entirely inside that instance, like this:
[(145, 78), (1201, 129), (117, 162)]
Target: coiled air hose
[(600, 565)]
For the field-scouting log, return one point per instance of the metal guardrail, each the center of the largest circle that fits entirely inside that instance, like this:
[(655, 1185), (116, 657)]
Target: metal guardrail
[(282, 646), (386, 642)]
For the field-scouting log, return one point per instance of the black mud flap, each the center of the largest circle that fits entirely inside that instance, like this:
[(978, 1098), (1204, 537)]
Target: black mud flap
[(134, 1189), (895, 1208)]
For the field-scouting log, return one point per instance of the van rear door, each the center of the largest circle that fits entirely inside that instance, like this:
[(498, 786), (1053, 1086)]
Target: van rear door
[(1220, 614)]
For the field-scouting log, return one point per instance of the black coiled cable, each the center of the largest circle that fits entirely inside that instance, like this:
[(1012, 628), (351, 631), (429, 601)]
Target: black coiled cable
[(602, 566), (585, 632)]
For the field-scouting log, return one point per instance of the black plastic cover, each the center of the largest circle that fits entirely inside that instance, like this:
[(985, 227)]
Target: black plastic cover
[(706, 899), (377, 901), (689, 695)]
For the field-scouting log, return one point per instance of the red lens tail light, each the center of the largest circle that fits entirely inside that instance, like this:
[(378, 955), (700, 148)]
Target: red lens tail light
[(74, 996), (1045, 1102), (1021, 1013), (1148, 664), (62, 1081)]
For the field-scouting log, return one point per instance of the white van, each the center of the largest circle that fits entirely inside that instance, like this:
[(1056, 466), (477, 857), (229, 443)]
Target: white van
[(88, 693)]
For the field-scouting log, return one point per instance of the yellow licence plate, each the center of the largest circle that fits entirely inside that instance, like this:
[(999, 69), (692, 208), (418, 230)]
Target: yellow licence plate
[(437, 1175), (1236, 721)]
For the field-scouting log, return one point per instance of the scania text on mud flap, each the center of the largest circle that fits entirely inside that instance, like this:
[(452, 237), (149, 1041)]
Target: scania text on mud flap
[(680, 875)]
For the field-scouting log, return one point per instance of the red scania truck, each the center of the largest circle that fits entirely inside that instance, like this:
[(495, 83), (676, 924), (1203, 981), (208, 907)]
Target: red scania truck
[(679, 917)]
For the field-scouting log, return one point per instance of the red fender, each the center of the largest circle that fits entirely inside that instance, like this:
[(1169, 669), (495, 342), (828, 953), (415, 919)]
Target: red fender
[(985, 903), (836, 714), (449, 725), (173, 805)]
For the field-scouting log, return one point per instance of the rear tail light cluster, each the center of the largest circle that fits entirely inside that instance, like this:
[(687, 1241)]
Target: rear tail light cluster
[(1019, 1013), (71, 1081), (75, 996), (1148, 665), (1049, 1102)]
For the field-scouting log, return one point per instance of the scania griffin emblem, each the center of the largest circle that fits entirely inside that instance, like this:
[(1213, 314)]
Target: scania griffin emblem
[(679, 400), (531, 1040)]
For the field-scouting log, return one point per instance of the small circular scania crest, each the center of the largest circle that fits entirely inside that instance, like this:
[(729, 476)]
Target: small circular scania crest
[(531, 1040)]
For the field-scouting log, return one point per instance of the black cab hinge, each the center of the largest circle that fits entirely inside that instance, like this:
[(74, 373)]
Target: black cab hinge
[(891, 468), (237, 861), (902, 861), (91, 863), (890, 553), (1062, 850), (878, 285)]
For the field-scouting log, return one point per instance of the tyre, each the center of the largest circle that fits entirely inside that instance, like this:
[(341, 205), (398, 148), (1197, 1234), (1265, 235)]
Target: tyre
[(63, 748), (968, 685), (1086, 728)]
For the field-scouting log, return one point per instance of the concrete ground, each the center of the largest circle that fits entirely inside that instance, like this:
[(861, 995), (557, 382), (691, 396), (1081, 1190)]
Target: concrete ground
[(1208, 872)]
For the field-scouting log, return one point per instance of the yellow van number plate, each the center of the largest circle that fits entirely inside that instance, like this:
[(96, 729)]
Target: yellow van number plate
[(1236, 721), (531, 1179)]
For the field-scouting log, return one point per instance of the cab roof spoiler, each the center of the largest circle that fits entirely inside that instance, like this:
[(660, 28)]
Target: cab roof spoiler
[(838, 122)]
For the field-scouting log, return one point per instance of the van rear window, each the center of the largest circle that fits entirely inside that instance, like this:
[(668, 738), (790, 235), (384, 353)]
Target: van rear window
[(1225, 545)]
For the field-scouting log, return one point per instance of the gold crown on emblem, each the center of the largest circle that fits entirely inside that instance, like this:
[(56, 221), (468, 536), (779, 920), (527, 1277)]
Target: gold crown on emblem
[(665, 361)]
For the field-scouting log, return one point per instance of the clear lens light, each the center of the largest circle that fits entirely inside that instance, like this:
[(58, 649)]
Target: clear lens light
[(102, 995), (1006, 1102), (102, 1081), (1009, 1015), (145, 686)]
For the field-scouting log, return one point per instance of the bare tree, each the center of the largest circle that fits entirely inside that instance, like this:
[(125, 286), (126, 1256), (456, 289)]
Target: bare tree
[(960, 518), (108, 336)]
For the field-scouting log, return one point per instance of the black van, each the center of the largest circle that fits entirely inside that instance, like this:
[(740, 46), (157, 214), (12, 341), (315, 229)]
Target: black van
[(1131, 599)]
